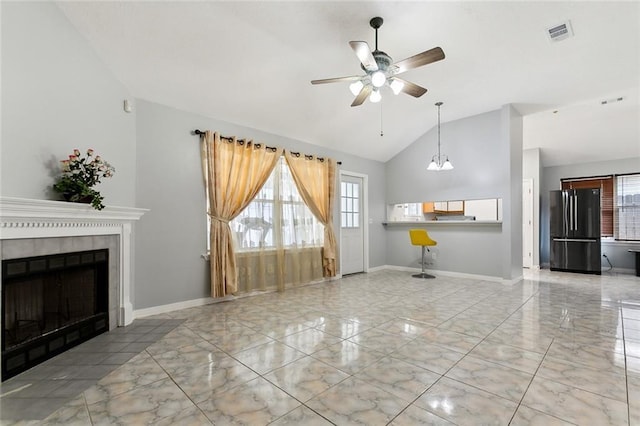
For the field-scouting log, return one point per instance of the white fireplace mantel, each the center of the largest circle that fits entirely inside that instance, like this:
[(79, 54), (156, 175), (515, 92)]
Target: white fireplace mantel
[(22, 218)]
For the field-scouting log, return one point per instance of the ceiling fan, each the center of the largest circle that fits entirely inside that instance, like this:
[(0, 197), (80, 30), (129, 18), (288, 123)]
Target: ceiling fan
[(381, 70)]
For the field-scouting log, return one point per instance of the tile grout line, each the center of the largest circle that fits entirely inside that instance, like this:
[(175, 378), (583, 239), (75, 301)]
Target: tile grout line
[(464, 356), (531, 381), (626, 371)]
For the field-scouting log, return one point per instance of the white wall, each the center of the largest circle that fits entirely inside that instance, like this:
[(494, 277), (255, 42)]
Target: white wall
[(56, 96)]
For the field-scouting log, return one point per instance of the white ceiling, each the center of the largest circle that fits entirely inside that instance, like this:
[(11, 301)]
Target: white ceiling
[(251, 63)]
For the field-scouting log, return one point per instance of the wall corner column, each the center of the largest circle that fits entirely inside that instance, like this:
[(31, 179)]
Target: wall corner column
[(512, 143)]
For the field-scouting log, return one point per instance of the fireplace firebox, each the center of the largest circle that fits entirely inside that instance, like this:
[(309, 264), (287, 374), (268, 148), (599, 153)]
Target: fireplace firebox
[(50, 304)]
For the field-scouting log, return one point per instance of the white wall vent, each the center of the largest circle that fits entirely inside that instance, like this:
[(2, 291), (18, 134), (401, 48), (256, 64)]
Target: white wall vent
[(560, 32), (611, 101)]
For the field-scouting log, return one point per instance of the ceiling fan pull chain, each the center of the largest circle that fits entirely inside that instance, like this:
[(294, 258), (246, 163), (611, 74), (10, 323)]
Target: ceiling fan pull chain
[(381, 132)]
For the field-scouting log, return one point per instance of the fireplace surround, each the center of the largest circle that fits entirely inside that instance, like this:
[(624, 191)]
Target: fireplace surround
[(36, 228)]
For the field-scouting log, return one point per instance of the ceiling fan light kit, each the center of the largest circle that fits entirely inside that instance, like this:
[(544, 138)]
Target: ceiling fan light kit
[(437, 164), (396, 86), (356, 87), (378, 79), (375, 96), (380, 70)]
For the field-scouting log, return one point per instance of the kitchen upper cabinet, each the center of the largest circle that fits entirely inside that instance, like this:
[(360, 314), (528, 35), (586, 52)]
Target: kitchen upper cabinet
[(449, 207)]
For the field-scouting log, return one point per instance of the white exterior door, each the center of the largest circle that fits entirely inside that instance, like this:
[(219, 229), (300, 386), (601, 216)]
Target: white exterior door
[(527, 223), (352, 226)]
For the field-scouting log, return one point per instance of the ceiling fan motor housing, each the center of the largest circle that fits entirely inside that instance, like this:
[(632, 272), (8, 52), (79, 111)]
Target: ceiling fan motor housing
[(383, 61)]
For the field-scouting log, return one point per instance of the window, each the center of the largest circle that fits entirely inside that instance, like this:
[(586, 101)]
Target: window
[(413, 210), (619, 214), (350, 204), (277, 217), (628, 207), (605, 184)]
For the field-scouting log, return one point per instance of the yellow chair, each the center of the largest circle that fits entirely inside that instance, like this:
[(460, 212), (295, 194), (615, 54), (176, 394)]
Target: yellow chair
[(420, 237)]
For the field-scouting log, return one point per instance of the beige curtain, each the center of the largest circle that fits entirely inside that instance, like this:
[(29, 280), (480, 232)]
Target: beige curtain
[(316, 182), (277, 237), (234, 173)]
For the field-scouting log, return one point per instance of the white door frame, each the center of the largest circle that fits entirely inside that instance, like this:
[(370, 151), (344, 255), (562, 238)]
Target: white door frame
[(528, 231), (365, 217)]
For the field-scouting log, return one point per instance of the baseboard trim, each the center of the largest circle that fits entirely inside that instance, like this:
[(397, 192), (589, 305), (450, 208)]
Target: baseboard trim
[(163, 309), (625, 271), (605, 269), (513, 280), (450, 274)]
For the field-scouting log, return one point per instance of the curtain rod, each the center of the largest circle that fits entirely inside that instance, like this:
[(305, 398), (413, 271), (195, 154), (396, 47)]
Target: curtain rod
[(199, 132)]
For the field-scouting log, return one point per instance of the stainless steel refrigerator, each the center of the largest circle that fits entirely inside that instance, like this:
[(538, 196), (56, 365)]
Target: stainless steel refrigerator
[(575, 230)]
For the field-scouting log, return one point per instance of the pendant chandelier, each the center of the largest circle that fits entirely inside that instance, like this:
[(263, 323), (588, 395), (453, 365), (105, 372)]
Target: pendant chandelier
[(439, 161)]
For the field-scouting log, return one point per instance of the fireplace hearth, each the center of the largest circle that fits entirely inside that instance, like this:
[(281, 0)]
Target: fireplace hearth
[(35, 228), (50, 304)]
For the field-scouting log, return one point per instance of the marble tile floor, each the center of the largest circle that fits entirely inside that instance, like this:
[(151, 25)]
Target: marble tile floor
[(373, 349)]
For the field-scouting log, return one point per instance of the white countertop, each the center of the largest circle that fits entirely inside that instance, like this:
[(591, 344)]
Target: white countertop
[(443, 222)]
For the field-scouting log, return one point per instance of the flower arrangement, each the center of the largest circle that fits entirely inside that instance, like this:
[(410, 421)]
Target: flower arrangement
[(80, 174)]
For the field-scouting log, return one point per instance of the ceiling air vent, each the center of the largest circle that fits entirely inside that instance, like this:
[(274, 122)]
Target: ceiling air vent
[(611, 101), (560, 32)]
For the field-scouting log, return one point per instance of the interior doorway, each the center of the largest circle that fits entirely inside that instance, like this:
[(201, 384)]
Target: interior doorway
[(353, 223)]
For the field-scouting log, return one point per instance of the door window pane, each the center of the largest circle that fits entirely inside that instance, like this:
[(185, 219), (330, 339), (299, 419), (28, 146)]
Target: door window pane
[(350, 204)]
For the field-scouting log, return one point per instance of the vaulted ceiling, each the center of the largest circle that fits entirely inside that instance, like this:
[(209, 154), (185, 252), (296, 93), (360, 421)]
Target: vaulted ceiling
[(251, 63)]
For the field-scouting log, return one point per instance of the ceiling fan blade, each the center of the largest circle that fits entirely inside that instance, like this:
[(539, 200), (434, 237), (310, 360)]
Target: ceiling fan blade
[(364, 54), (424, 58), (337, 79), (362, 96), (412, 89)]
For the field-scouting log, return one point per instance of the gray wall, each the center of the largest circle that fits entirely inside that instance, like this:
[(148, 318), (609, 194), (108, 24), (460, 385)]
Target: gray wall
[(486, 152), (511, 147), (617, 252), (468, 249), (56, 96), (172, 236), (474, 148)]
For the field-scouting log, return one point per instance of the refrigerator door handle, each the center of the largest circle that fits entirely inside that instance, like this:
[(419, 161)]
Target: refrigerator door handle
[(575, 240), (570, 211), (565, 206), (575, 212)]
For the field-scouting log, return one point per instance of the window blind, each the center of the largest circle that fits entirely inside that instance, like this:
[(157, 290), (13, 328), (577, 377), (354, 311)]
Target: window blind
[(627, 225), (605, 184)]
